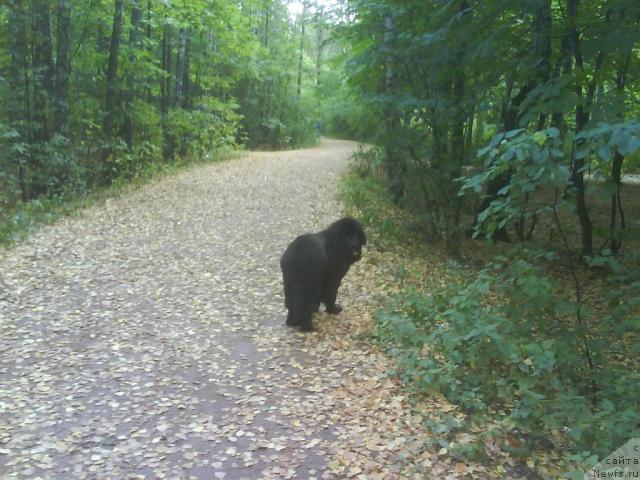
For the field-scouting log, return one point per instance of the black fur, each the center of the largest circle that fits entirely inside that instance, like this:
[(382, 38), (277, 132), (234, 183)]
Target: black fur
[(313, 266)]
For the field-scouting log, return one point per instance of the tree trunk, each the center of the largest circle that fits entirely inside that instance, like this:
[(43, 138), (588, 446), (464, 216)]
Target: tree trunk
[(457, 128), (165, 93), (457, 142), (542, 49), (266, 29), (302, 29), (468, 135), (564, 68), (19, 105), (42, 94), (186, 79), (392, 158), (511, 114), (112, 83), (42, 60), (267, 135), (479, 130), (542, 46), (150, 47), (196, 90), (615, 237), (319, 48), (582, 118), (148, 25), (615, 240), (63, 67), (180, 67), (135, 34)]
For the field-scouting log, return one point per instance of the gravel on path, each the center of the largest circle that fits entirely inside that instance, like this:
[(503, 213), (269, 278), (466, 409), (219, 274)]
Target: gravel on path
[(145, 337)]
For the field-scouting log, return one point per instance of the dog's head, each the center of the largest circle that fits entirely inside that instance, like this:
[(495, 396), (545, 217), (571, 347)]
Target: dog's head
[(353, 237)]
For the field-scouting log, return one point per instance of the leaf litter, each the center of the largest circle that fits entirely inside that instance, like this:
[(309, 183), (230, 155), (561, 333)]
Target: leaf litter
[(145, 338)]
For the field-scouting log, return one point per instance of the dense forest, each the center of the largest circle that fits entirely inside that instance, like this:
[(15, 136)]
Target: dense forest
[(538, 81), (505, 133), (517, 123), (97, 91)]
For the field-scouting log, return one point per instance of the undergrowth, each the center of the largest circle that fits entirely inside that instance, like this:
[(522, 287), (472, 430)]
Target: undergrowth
[(532, 367), (19, 220)]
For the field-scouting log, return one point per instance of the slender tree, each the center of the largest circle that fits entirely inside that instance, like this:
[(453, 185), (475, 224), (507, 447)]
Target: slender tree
[(165, 92), (19, 107), (181, 66), (42, 64), (581, 119), (303, 23), (135, 37), (188, 78), (63, 67), (392, 155), (112, 80)]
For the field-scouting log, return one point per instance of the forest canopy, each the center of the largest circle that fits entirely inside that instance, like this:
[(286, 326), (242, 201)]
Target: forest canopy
[(94, 91), (513, 122)]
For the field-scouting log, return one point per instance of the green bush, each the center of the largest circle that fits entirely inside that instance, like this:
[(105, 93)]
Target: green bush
[(350, 120), (212, 126), (366, 197), (508, 341)]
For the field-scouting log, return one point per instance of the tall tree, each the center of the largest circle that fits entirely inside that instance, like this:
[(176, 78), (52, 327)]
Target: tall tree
[(165, 91), (392, 155), (19, 105), (208, 76), (581, 118), (42, 63), (135, 37), (181, 67), (303, 24), (63, 67), (617, 222), (320, 42), (112, 80)]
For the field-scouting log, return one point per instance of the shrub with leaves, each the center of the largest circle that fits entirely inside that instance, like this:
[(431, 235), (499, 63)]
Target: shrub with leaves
[(209, 128), (508, 341), (531, 161)]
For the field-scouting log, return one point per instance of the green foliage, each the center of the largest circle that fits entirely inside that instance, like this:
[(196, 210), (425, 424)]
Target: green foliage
[(274, 113), (181, 82), (300, 126), (505, 340), (365, 197), (531, 162), (367, 161), (211, 127), (437, 79), (59, 171), (506, 343), (19, 220), (606, 139), (344, 118)]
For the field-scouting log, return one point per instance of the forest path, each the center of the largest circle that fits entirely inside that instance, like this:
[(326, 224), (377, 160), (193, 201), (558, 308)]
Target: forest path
[(145, 338)]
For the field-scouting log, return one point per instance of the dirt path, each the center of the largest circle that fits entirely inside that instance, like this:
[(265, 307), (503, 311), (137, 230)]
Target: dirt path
[(146, 338)]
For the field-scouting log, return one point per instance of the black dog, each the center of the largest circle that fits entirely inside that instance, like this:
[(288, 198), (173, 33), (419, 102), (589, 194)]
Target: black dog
[(313, 266)]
